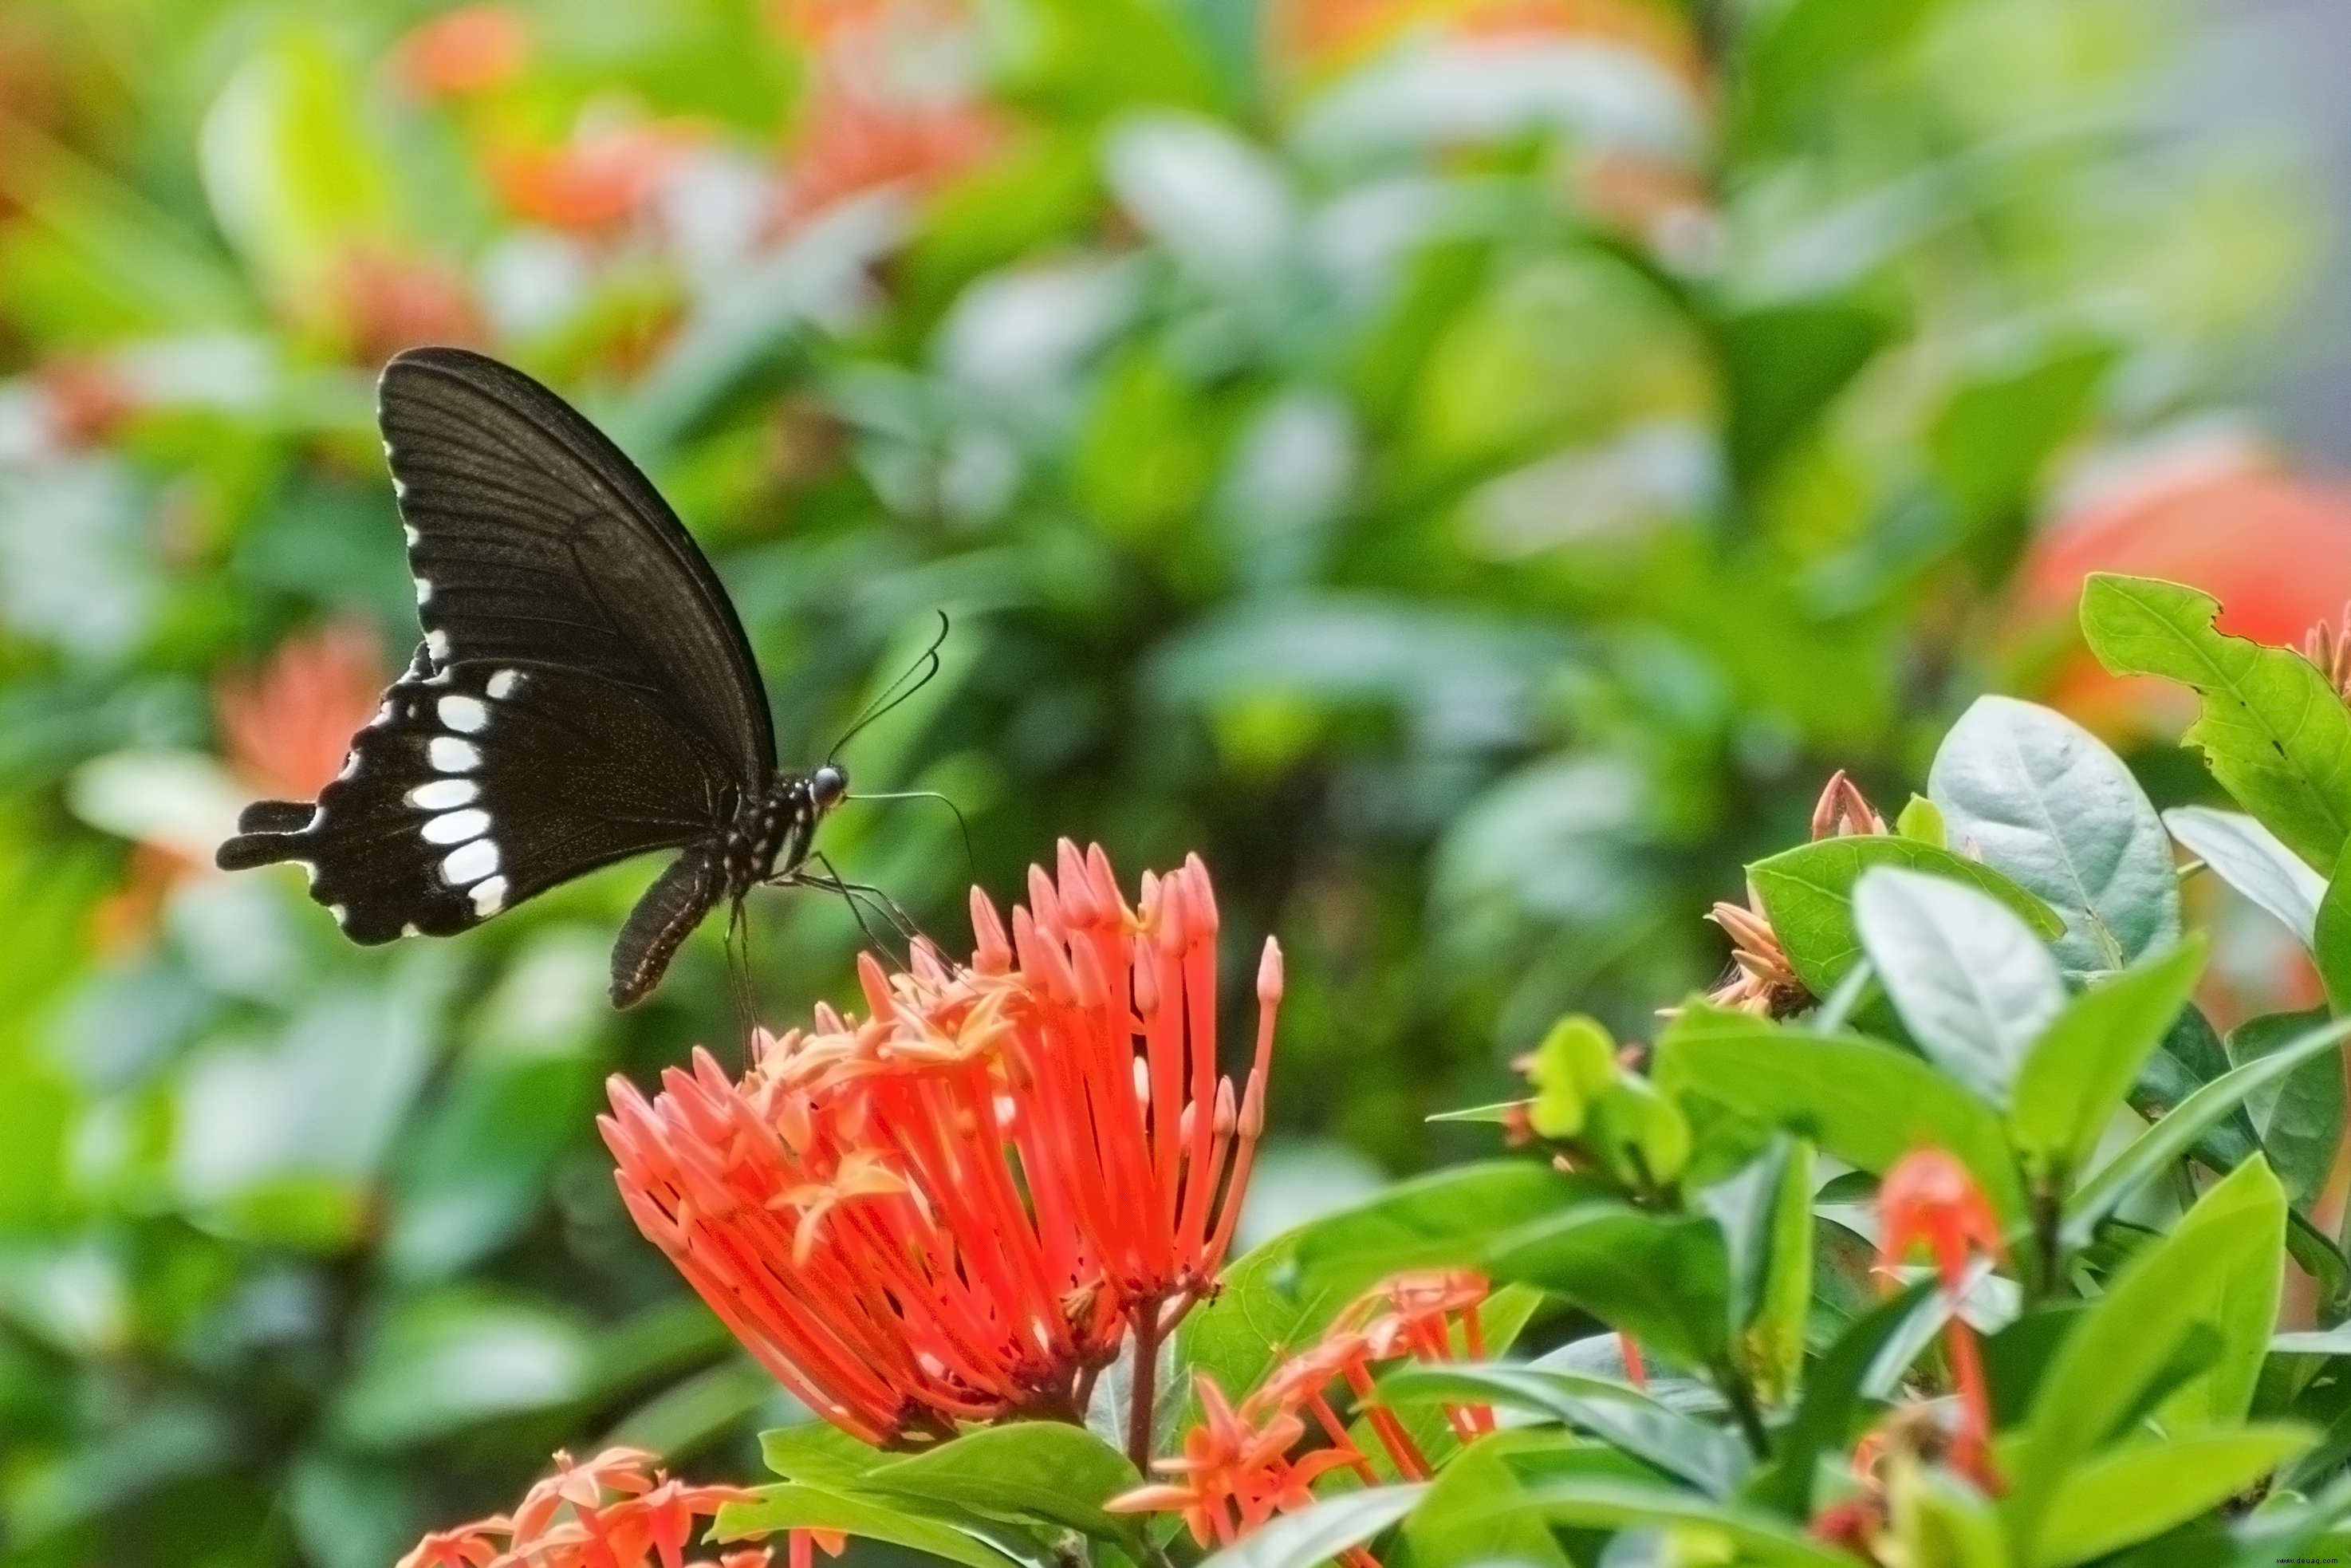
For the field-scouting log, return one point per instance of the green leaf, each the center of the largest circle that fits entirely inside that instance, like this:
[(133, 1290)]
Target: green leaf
[(1992, 440), (2120, 1348), (1706, 1456), (1729, 1533), (2176, 1134), (2242, 1300), (791, 1505), (1940, 1522), (1498, 1114), (476, 1170), (2250, 859), (2145, 1488), (1867, 1104), (1771, 1347), (290, 168), (2075, 1076), (2299, 1118), (1664, 1280), (1795, 54), (1281, 1294), (1922, 820), (1455, 1523), (444, 1363), (1439, 1220), (1784, 363), (2192, 1056), (1833, 1392), (2330, 934), (2272, 731), (1972, 982), (1766, 1214), (1318, 1533), (817, 1452), (1807, 891), (1042, 1471), (2042, 799)]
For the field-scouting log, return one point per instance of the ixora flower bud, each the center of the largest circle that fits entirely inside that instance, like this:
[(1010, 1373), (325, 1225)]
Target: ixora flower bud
[(1762, 981), (959, 1209), (1928, 1197)]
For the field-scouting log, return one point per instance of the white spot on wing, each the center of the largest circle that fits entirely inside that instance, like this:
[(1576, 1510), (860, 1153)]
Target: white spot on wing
[(414, 538), (489, 895), (457, 827), (469, 862), (351, 766), (408, 928), (464, 715), (423, 590), (450, 755), (441, 794), (309, 872), (338, 911), (502, 684), (382, 716), (437, 645), (399, 489)]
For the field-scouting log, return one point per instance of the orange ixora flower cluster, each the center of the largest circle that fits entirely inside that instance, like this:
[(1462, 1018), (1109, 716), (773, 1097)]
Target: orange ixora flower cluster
[(1762, 981), (960, 1208), (1239, 1466), (616, 1511)]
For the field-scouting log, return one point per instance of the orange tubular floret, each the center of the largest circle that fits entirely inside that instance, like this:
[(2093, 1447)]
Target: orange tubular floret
[(958, 1208)]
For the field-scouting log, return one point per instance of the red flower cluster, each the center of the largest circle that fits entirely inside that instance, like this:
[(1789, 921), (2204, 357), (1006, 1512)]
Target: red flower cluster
[(614, 1511), (957, 1210), (1237, 1470)]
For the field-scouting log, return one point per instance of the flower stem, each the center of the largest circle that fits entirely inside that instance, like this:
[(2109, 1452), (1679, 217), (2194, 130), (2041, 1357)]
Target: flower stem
[(1144, 1316)]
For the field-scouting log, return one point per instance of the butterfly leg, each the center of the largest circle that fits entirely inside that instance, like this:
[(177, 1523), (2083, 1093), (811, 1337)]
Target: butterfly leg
[(896, 912)]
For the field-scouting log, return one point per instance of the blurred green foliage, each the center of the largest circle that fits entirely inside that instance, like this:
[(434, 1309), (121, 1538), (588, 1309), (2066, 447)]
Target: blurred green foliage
[(1467, 470)]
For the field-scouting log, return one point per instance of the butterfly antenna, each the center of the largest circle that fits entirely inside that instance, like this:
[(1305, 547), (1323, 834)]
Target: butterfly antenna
[(921, 673), (971, 861)]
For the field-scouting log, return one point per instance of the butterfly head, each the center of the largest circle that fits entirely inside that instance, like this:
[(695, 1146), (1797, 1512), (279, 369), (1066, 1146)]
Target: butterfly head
[(828, 786)]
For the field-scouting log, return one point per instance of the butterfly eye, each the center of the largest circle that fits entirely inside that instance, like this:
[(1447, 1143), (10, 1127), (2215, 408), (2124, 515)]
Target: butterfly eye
[(826, 785)]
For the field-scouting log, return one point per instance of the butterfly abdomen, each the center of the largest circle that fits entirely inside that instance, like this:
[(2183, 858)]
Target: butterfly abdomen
[(662, 921)]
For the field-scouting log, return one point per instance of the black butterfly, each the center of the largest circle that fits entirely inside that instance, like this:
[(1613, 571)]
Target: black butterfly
[(583, 692)]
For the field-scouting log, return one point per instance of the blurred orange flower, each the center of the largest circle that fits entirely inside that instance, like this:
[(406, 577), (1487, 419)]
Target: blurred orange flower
[(851, 140), (2274, 548), (959, 1210), (286, 727), (466, 50), (84, 401), (595, 182), (387, 303)]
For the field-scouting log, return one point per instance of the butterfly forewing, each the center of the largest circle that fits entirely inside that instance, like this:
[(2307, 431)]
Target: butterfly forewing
[(534, 540), (584, 692)]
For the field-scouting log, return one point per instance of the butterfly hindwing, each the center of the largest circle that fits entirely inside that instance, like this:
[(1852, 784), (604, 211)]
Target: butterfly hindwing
[(479, 785), (534, 540)]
